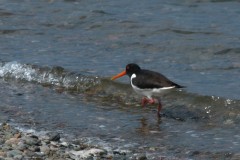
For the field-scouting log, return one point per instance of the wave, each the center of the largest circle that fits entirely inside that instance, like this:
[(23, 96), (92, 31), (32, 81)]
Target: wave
[(180, 105), (228, 51), (57, 76)]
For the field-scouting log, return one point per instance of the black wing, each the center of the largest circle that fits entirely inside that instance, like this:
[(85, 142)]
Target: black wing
[(150, 79)]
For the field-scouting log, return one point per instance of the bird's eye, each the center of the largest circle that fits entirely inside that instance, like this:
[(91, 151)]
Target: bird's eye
[(127, 67)]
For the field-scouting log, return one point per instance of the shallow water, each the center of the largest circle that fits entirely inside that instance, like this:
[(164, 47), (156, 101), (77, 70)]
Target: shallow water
[(56, 58)]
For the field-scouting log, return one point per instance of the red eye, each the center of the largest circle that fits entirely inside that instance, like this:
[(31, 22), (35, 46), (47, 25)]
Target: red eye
[(127, 67)]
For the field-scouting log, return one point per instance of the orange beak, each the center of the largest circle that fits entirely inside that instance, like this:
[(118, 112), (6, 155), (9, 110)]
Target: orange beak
[(119, 75)]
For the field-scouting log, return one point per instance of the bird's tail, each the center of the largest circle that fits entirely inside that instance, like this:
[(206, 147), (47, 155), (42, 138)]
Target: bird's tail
[(178, 86)]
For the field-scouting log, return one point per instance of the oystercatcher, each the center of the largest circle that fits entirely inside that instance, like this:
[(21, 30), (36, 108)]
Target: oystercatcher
[(147, 83)]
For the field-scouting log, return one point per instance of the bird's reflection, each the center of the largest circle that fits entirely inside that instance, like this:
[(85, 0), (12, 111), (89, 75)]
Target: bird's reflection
[(146, 127)]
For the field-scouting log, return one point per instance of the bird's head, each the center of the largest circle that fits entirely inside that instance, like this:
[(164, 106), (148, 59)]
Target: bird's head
[(130, 69)]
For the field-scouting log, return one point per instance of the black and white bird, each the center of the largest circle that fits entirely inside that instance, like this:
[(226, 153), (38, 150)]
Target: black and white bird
[(147, 83)]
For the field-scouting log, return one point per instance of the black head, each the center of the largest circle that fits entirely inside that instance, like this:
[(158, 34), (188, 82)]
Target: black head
[(132, 68)]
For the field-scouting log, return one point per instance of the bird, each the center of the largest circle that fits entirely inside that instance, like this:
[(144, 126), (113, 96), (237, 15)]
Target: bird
[(147, 83)]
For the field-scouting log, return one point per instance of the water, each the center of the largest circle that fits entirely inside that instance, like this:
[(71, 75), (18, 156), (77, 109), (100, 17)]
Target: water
[(56, 58)]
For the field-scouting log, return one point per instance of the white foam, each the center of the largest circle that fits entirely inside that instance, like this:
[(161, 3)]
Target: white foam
[(17, 70)]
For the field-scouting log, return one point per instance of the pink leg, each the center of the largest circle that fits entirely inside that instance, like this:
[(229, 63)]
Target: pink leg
[(159, 108), (152, 101), (144, 101)]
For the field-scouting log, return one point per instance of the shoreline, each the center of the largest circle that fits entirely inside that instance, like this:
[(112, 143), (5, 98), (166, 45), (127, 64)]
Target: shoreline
[(19, 145), (23, 145)]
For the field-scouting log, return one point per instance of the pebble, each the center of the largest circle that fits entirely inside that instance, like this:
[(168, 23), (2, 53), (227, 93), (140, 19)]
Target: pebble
[(2, 154), (142, 157), (45, 149), (12, 141), (18, 157), (2, 141), (13, 153), (65, 144), (86, 153), (21, 146), (18, 135), (54, 137), (31, 141)]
